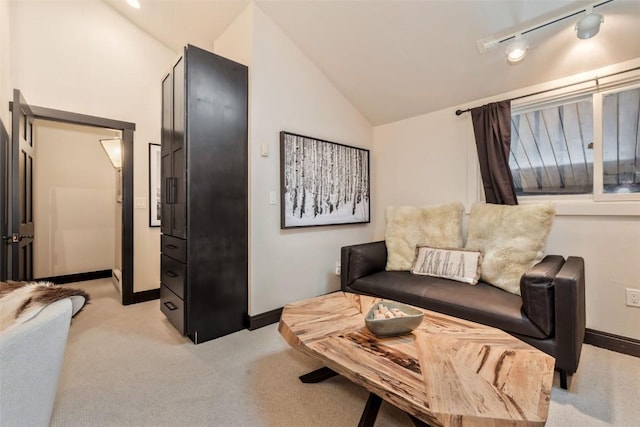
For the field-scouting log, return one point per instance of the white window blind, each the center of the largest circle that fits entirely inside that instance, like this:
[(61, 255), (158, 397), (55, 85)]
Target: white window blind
[(621, 142), (552, 149), (552, 146)]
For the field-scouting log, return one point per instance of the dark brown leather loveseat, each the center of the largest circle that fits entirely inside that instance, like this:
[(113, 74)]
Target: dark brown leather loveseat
[(550, 315)]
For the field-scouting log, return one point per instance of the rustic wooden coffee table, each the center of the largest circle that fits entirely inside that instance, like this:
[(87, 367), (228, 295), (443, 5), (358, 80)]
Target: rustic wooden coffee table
[(448, 372)]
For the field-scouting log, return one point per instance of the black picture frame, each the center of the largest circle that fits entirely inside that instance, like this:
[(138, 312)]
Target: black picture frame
[(322, 183), (154, 185)]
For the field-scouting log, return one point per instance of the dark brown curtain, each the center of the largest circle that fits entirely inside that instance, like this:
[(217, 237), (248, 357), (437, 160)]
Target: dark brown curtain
[(492, 128)]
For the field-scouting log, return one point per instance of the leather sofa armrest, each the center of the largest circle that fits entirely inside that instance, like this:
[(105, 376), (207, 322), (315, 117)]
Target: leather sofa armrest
[(569, 288), (536, 288), (361, 260)]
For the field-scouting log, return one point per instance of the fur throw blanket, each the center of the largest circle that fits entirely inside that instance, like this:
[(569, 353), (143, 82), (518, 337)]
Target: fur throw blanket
[(22, 301)]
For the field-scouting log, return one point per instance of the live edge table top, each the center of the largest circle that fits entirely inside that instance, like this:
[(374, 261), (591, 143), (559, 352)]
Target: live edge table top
[(448, 372)]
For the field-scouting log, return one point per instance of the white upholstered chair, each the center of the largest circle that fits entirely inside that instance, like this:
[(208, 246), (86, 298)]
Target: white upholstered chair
[(31, 356)]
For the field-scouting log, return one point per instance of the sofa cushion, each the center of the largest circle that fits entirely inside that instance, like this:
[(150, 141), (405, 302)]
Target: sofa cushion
[(408, 226), (482, 303), (512, 239)]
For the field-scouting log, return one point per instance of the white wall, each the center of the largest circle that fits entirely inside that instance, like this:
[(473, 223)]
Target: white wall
[(74, 200), (83, 57), (236, 43), (5, 87), (610, 247), (419, 161), (289, 93), (431, 158)]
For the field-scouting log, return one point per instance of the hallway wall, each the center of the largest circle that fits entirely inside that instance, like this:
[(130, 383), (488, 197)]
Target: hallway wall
[(74, 200), (84, 57), (5, 53)]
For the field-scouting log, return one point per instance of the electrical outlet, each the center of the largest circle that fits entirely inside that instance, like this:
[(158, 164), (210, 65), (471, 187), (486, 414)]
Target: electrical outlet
[(338, 268), (633, 297)]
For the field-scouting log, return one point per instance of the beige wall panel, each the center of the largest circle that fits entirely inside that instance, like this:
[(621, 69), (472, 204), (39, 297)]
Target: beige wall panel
[(74, 200)]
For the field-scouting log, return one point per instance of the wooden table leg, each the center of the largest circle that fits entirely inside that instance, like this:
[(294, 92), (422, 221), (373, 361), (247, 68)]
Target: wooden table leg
[(370, 412), (318, 375)]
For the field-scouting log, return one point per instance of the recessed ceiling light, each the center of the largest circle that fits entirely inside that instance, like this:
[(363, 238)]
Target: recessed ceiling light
[(134, 3)]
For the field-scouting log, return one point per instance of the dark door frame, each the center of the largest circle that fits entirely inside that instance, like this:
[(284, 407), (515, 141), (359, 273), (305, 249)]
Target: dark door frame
[(127, 129), (4, 181)]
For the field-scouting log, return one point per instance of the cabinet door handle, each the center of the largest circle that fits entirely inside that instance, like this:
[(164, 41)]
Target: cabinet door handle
[(171, 274), (167, 191), (171, 306), (174, 189), (172, 247)]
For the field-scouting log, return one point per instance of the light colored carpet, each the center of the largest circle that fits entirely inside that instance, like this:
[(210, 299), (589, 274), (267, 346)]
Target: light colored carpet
[(127, 366)]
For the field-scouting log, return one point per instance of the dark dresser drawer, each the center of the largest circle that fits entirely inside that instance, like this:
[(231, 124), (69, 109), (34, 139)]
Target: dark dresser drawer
[(172, 275), (174, 247), (173, 307)]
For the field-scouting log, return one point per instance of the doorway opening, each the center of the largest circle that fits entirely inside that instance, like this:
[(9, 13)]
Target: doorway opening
[(125, 130), (77, 213)]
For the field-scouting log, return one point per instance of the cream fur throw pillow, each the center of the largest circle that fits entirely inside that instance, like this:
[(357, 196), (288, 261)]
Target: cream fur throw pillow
[(438, 226), (512, 239)]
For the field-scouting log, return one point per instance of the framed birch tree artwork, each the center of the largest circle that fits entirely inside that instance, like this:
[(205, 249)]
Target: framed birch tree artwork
[(322, 182)]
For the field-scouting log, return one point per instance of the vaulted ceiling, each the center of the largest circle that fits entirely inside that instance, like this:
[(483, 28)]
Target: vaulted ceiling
[(399, 59)]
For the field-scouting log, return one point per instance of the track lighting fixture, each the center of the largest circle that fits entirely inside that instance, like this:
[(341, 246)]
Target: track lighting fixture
[(517, 49), (586, 28), (589, 26)]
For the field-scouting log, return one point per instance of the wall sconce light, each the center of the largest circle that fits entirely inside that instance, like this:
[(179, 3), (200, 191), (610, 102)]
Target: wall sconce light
[(113, 149), (517, 50), (589, 26)]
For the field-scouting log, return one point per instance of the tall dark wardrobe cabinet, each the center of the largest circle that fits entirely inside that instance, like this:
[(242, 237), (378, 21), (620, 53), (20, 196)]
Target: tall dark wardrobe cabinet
[(204, 289)]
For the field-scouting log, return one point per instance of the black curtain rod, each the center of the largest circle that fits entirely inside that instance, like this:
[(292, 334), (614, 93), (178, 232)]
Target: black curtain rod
[(459, 112)]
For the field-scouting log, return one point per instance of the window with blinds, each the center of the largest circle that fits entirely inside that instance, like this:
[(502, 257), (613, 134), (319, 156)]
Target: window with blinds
[(621, 142), (552, 148)]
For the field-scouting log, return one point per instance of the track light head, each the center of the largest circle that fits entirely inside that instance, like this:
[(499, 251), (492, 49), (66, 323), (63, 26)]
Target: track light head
[(589, 25), (517, 50)]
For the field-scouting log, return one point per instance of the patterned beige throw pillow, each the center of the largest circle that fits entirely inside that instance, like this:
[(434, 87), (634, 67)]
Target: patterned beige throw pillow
[(511, 238), (462, 265), (410, 226)]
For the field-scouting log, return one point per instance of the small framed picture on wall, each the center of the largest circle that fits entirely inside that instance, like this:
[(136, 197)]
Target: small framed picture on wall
[(154, 185)]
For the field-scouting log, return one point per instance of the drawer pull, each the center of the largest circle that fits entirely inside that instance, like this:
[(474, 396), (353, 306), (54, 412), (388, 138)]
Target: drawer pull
[(171, 306), (172, 247), (171, 274)]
